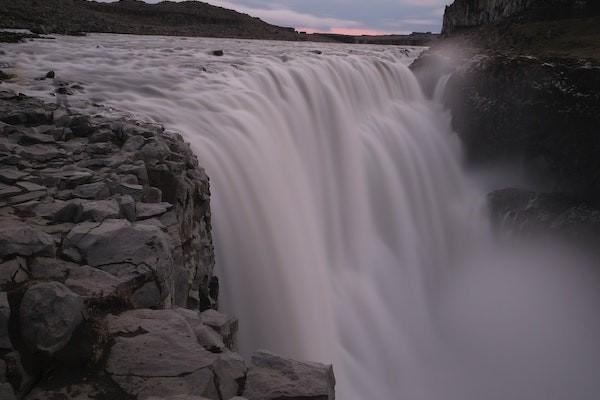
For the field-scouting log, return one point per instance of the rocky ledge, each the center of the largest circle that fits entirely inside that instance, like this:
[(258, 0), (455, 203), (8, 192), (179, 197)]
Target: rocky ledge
[(106, 268)]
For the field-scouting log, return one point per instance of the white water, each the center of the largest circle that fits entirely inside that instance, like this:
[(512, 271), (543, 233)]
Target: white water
[(346, 229)]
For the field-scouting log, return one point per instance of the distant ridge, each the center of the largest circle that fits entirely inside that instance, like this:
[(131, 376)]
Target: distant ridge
[(188, 18)]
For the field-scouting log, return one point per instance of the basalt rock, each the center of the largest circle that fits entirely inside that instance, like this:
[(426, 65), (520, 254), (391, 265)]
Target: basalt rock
[(106, 264)]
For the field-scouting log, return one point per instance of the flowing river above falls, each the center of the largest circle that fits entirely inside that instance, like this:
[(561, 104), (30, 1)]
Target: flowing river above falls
[(347, 229)]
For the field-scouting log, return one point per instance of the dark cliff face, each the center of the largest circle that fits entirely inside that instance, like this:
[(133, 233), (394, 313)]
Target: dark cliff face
[(464, 14), (524, 88), (188, 18), (541, 113)]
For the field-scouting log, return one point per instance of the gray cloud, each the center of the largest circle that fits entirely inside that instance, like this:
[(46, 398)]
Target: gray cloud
[(371, 16)]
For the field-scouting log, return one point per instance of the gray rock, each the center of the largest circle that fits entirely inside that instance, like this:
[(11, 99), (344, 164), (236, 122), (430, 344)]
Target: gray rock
[(127, 206), (31, 137), (49, 314), (50, 268), (148, 296), (150, 210), (206, 336), (21, 379), (5, 343), (92, 191), (230, 369), (99, 210), (129, 179), (18, 238), (14, 270), (135, 191), (6, 392), (9, 175), (23, 198), (118, 241), (9, 191), (155, 354), (91, 282), (152, 195), (225, 325), (70, 392), (31, 187), (41, 152), (60, 211), (272, 377), (133, 143)]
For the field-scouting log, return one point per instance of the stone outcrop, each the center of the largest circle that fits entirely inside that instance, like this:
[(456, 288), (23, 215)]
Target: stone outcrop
[(540, 113), (526, 212), (106, 267), (464, 14), (272, 377)]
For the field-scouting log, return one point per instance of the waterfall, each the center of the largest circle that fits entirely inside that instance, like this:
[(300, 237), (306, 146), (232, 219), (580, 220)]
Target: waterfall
[(339, 201), (346, 228)]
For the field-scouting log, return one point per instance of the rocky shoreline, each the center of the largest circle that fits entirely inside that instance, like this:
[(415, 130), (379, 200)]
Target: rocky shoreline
[(107, 288)]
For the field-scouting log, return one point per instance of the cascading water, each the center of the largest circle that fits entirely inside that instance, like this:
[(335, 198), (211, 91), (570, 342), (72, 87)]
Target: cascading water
[(346, 229)]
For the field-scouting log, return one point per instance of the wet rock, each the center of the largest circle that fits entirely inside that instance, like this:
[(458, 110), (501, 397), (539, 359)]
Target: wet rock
[(50, 75), (49, 314), (272, 377), (18, 238), (218, 53)]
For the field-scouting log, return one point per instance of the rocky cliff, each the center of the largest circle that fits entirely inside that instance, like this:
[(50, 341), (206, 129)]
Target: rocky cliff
[(106, 269), (523, 88), (473, 13), (188, 18)]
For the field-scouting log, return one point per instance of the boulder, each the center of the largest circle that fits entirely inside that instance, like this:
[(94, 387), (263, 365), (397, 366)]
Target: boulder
[(19, 238), (272, 377), (91, 282), (225, 325), (99, 210), (155, 354), (119, 241), (13, 271), (49, 314)]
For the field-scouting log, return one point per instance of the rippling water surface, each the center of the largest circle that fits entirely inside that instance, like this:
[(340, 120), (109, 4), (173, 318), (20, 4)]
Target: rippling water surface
[(346, 227)]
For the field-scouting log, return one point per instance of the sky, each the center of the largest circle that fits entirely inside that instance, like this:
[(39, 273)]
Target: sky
[(344, 16)]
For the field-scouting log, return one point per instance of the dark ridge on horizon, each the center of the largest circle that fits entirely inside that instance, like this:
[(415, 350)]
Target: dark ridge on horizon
[(187, 18)]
